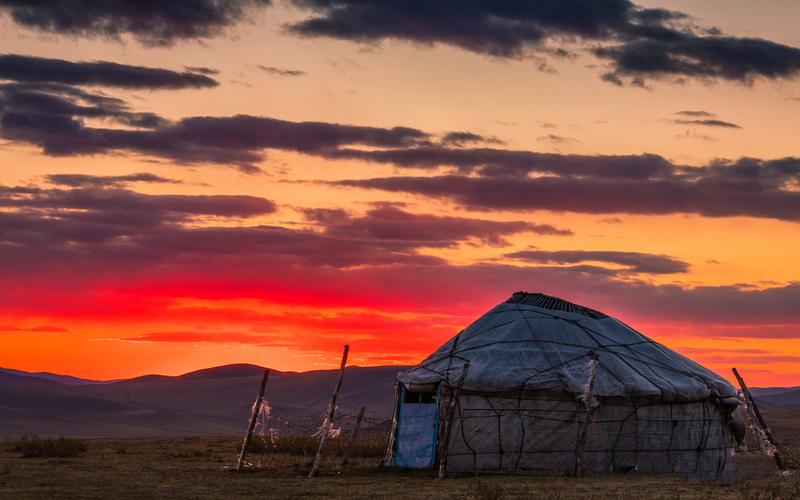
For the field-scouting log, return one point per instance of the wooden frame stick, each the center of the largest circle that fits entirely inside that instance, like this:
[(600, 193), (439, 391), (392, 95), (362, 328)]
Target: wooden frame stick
[(253, 420), (388, 457), (578, 471), (444, 444), (326, 425), (776, 454)]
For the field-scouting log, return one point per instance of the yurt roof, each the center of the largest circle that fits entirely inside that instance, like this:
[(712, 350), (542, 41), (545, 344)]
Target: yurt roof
[(536, 342)]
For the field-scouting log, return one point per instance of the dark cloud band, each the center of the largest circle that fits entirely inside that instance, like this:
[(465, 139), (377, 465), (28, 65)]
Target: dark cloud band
[(98, 73), (636, 262), (637, 42), (714, 197), (152, 22)]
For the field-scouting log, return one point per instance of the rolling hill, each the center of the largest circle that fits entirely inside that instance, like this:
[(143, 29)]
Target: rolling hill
[(777, 397), (214, 401), (210, 402)]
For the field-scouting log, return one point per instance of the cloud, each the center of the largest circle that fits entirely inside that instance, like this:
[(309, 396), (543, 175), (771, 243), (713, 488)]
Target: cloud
[(52, 117), (461, 138), (155, 289), (389, 223), (637, 42), (751, 360), (696, 114), (151, 23), (707, 123), (494, 162), (644, 184), (33, 329), (717, 350), (635, 262), (54, 110), (280, 71), (202, 70), (203, 336), (84, 180), (597, 196), (737, 355), (692, 135), (557, 139), (57, 118), (320, 327), (90, 252), (32, 69), (500, 30), (689, 55), (96, 221), (75, 222)]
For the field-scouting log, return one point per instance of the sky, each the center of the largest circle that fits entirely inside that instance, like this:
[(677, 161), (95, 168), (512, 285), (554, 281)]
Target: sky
[(192, 184)]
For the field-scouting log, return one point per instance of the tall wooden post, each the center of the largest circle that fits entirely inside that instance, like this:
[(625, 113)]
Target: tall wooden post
[(326, 425), (444, 443), (772, 444), (585, 424), (353, 436), (253, 420)]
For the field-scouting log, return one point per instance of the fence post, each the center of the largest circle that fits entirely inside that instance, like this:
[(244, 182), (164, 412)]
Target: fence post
[(578, 471), (253, 420), (353, 437), (776, 454), (326, 425), (444, 444)]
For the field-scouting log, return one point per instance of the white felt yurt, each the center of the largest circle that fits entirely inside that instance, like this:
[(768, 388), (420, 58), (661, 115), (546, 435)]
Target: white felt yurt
[(533, 361)]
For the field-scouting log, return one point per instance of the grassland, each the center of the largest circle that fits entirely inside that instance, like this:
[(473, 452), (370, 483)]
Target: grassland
[(200, 468)]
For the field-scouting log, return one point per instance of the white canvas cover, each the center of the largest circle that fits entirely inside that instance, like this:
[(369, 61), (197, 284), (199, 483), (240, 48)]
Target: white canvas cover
[(518, 346)]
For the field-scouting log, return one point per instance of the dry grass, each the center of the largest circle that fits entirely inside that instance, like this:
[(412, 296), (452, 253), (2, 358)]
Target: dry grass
[(200, 468), (34, 446), (307, 445)]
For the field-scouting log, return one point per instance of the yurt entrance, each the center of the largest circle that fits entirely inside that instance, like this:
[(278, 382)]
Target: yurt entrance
[(417, 425)]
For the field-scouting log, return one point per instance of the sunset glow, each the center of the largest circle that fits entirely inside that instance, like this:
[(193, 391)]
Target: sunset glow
[(283, 188)]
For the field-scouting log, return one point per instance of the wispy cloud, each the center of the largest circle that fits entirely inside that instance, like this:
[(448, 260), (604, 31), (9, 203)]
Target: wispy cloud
[(280, 71)]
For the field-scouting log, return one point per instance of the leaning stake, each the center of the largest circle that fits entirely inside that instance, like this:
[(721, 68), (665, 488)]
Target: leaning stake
[(578, 471), (253, 420), (444, 444), (326, 425), (772, 445)]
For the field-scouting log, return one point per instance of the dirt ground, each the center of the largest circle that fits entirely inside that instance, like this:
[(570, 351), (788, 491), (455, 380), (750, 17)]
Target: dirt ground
[(200, 468)]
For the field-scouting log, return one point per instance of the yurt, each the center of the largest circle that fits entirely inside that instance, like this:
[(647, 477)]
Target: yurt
[(554, 386)]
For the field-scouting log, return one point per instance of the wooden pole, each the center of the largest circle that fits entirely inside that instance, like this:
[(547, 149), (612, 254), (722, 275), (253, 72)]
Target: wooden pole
[(388, 457), (326, 425), (773, 445), (754, 425), (578, 471), (253, 420), (444, 443), (353, 436)]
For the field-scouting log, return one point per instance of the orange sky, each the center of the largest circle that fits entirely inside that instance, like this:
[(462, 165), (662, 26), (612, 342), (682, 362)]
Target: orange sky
[(99, 309)]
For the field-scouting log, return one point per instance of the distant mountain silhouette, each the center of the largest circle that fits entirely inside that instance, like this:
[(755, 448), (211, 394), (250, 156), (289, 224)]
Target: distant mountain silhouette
[(64, 379), (213, 401), (777, 397)]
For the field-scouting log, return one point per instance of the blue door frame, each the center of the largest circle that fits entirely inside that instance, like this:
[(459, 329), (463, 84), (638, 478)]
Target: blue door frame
[(417, 432)]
